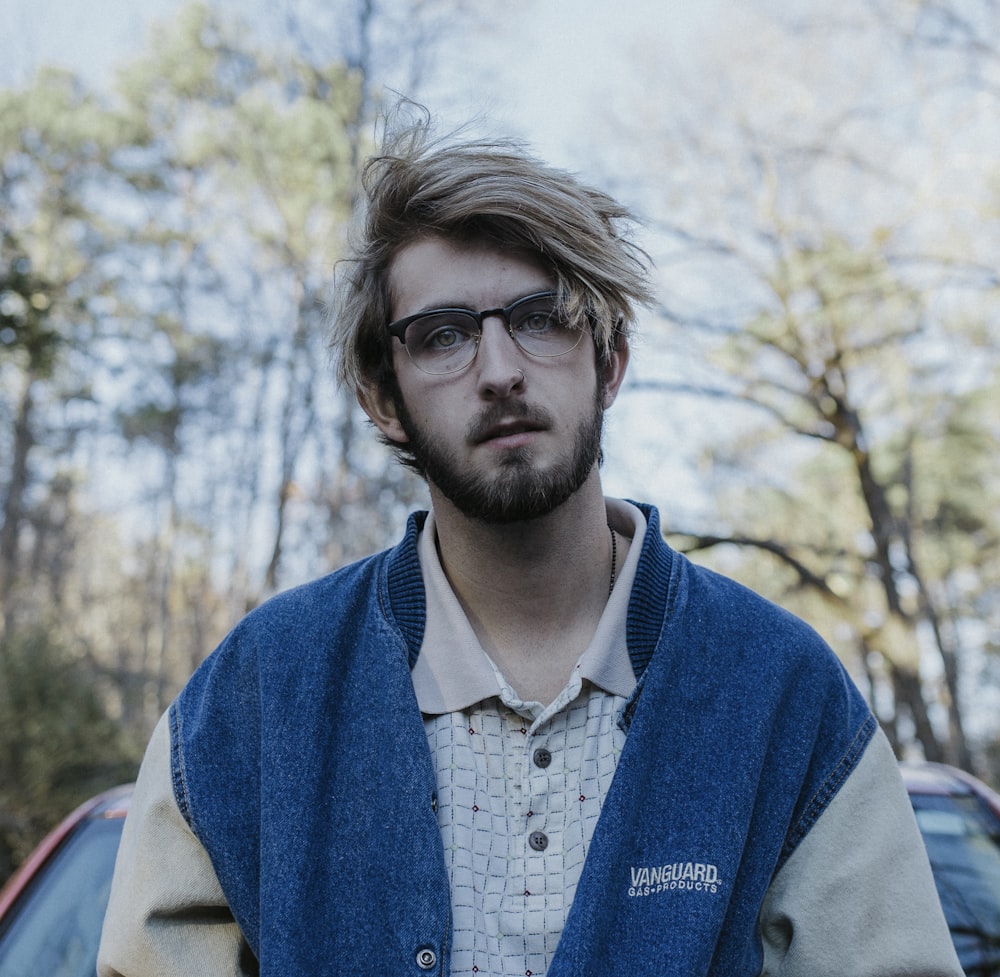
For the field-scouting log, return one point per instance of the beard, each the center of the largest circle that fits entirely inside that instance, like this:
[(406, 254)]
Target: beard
[(518, 491)]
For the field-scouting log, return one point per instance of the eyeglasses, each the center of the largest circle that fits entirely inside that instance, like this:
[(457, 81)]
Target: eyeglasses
[(446, 340)]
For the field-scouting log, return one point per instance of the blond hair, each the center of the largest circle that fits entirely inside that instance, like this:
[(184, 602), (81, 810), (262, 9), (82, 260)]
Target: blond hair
[(491, 192)]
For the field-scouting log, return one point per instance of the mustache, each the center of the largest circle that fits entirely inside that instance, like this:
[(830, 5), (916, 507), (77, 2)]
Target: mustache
[(496, 414)]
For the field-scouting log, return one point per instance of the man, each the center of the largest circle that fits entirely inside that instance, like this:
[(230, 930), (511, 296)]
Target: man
[(530, 739)]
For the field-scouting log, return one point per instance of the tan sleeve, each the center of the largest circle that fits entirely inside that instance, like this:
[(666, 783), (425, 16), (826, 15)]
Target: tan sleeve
[(167, 916), (857, 898)]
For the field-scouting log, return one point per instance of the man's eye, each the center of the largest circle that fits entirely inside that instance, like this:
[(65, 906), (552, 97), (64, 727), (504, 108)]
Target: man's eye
[(537, 322), (445, 338), (439, 336)]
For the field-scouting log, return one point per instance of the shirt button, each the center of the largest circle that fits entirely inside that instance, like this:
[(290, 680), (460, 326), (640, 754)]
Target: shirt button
[(542, 758), (538, 840), (426, 958)]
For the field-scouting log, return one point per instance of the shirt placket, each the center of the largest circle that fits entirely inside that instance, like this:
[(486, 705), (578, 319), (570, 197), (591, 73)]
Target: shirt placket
[(540, 774)]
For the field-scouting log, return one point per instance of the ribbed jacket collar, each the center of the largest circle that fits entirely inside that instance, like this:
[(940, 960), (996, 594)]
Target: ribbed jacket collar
[(653, 591)]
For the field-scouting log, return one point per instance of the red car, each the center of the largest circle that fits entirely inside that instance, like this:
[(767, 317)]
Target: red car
[(52, 907)]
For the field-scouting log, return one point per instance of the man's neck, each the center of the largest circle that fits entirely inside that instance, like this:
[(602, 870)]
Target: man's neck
[(533, 591)]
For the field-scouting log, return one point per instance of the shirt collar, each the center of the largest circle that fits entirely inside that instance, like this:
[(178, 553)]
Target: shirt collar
[(452, 672)]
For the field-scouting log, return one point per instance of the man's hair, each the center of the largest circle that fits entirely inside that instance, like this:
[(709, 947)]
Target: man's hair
[(490, 192)]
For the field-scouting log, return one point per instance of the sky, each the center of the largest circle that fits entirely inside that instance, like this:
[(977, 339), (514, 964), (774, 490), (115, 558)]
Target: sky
[(87, 38), (580, 53), (542, 71)]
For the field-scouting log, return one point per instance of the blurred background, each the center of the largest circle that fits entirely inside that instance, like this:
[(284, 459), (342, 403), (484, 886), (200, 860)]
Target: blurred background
[(813, 403)]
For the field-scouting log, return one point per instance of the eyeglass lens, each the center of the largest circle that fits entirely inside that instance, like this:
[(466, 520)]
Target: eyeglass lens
[(447, 341)]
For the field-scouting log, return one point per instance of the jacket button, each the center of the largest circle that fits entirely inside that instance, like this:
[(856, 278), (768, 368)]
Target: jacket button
[(426, 958), (542, 758), (538, 840)]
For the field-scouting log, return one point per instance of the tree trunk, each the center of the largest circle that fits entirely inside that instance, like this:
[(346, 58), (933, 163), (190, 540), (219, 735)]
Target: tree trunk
[(13, 505), (909, 695)]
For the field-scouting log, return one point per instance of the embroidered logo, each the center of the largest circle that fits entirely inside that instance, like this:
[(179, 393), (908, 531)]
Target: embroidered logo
[(686, 876)]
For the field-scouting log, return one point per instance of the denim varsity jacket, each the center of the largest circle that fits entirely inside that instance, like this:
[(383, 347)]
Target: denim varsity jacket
[(300, 763)]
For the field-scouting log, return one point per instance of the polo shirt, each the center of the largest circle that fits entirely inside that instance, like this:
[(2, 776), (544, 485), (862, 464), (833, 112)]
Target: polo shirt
[(520, 784)]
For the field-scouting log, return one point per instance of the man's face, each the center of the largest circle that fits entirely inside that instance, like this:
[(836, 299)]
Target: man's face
[(512, 436)]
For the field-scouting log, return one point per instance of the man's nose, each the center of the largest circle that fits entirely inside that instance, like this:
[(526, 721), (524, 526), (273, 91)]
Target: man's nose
[(499, 358)]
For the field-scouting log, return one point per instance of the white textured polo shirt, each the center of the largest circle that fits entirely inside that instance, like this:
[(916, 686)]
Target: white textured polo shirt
[(520, 784)]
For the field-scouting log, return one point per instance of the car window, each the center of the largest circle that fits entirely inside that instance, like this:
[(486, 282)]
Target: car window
[(55, 926), (965, 857)]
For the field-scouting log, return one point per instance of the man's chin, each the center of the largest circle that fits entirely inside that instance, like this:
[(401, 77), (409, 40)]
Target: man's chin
[(513, 485), (513, 496)]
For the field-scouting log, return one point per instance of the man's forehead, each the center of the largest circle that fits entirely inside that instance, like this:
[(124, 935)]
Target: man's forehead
[(435, 272)]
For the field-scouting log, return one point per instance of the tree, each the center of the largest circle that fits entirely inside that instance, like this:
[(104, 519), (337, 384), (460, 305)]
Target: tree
[(841, 374), (57, 143), (57, 744), (845, 304)]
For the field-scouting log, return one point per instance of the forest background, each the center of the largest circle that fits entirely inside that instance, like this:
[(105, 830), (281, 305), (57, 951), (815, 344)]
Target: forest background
[(814, 403)]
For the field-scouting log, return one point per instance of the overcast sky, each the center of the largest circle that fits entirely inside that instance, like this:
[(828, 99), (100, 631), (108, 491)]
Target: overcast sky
[(543, 70)]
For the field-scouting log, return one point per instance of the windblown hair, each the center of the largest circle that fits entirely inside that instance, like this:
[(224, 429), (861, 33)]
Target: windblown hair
[(483, 192)]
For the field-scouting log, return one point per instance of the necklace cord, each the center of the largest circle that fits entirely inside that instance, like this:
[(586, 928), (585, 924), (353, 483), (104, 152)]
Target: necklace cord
[(614, 560)]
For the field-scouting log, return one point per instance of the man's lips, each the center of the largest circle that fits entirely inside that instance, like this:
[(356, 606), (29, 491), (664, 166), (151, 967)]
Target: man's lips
[(508, 433), (507, 427)]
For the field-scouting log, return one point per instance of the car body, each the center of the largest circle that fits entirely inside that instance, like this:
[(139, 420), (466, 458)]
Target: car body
[(52, 907), (959, 818)]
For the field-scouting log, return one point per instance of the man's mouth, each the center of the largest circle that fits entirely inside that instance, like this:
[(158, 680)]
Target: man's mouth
[(508, 432), (501, 427)]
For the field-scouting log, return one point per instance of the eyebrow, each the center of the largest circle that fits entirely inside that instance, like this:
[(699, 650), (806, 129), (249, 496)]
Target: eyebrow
[(466, 307)]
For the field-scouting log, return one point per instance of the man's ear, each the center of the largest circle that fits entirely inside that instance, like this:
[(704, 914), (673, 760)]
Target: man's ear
[(614, 369), (379, 405)]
